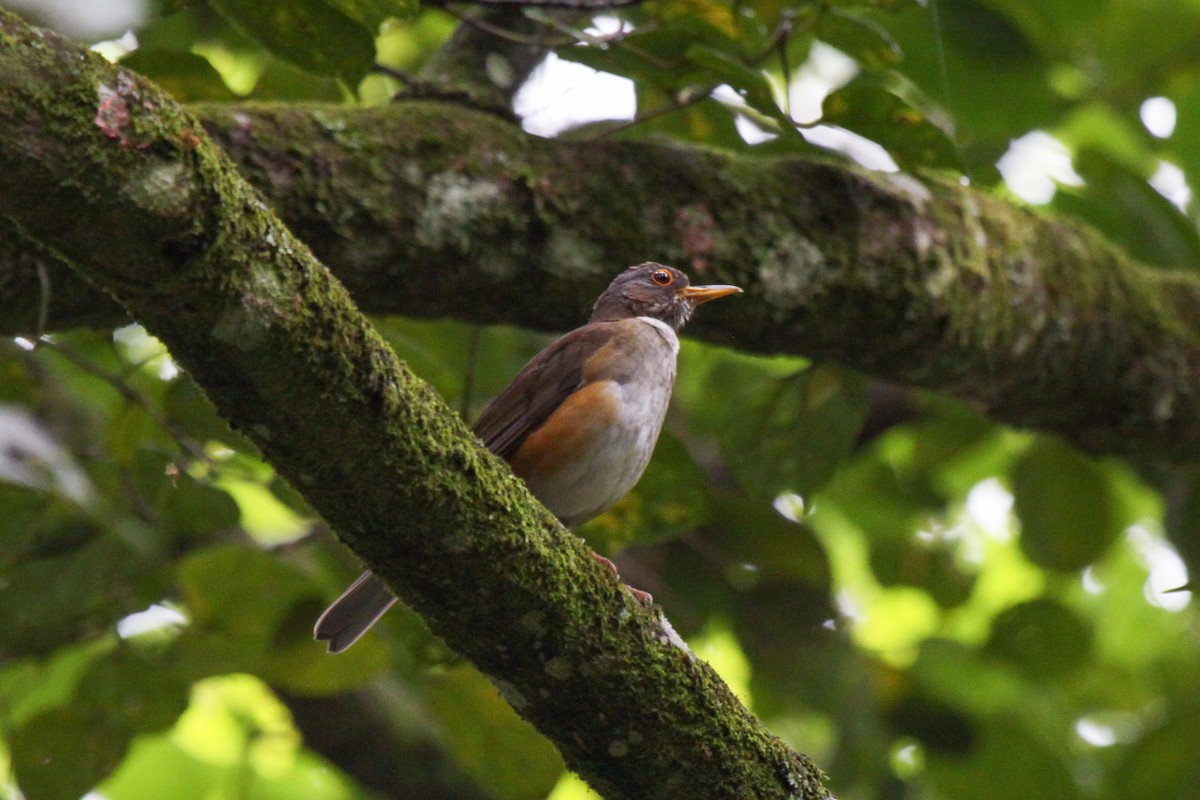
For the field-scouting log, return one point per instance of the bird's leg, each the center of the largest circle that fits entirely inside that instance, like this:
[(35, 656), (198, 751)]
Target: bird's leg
[(638, 594), (605, 562)]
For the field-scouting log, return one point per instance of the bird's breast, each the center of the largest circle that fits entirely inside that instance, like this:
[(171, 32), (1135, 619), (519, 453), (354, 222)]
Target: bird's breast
[(595, 446)]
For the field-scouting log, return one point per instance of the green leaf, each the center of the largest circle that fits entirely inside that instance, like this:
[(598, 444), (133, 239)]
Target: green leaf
[(16, 384), (1112, 134), (62, 753), (932, 566), (134, 690), (1162, 763), (864, 40), (239, 589), (195, 511), (951, 447), (159, 769), (1118, 199), (52, 761), (691, 585), (1066, 505), (502, 751), (26, 525), (657, 56), (188, 408), (937, 725), (886, 112), (187, 511), (987, 772), (131, 433), (950, 672), (188, 77), (706, 121), (450, 354), (32, 686), (751, 84), (781, 626), (758, 544), (297, 664), (1042, 638), (76, 584), (1184, 144), (238, 598), (280, 81), (712, 14), (373, 13), (874, 497), (311, 34), (982, 64), (790, 434)]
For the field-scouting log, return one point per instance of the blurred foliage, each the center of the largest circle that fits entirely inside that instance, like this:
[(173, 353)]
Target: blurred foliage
[(928, 604)]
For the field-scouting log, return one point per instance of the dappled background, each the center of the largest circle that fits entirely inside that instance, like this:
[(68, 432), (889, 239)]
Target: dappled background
[(927, 603)]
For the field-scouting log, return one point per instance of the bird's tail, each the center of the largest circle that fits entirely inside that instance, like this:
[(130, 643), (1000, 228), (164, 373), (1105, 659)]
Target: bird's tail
[(353, 614)]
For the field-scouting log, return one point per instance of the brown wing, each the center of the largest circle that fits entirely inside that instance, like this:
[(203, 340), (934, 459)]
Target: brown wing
[(538, 389)]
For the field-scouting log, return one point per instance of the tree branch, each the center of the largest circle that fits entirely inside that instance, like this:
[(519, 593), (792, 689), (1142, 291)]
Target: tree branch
[(194, 254), (431, 210)]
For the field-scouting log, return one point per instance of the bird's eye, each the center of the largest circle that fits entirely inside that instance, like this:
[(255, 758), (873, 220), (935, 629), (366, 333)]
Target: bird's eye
[(662, 277)]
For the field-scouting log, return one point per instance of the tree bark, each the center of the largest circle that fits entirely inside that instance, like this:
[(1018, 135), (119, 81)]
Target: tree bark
[(430, 209), (105, 169)]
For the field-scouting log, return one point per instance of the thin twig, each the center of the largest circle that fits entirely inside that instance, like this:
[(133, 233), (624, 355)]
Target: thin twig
[(781, 33), (578, 36), (404, 76), (43, 317), (504, 33), (671, 106)]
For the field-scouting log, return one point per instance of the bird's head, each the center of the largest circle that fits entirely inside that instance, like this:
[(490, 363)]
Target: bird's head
[(653, 290)]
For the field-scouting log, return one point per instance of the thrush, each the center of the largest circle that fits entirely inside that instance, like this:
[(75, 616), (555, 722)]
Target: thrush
[(579, 422)]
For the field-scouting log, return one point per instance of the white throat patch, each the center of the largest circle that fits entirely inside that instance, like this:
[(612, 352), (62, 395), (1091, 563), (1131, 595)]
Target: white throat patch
[(665, 330)]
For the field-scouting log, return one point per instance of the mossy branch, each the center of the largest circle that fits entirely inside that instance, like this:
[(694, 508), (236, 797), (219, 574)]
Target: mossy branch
[(190, 250), (429, 210)]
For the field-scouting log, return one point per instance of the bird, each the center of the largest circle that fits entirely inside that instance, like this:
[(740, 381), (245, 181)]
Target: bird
[(579, 422)]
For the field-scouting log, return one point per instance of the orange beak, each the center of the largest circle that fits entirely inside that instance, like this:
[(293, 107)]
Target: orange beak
[(702, 294)]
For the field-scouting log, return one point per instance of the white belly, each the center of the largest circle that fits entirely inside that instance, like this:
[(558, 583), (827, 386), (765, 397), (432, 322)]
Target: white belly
[(612, 466)]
